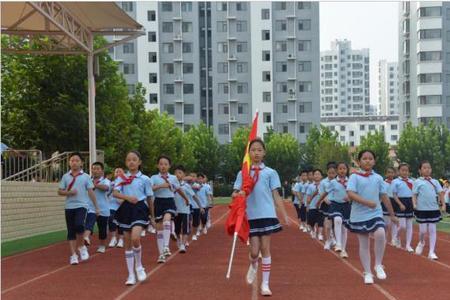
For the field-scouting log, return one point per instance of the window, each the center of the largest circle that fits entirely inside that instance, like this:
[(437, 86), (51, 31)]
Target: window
[(168, 68), (187, 26), (241, 6), (222, 47), (430, 99), (169, 89), (281, 46), (167, 27), (280, 5), (267, 117), (241, 47), (166, 6), (305, 86), (152, 58), (186, 6), (304, 45), (266, 96), (281, 87), (153, 98), (266, 55), (394, 126), (242, 67), (394, 137), (187, 47), (430, 11), (371, 127), (242, 88), (151, 15), (169, 108), (266, 76), (188, 88), (305, 127), (131, 89), (223, 109), (151, 36), (223, 88), (448, 35), (352, 133), (281, 66), (188, 68), (241, 26), (242, 108), (305, 66), (429, 34), (222, 67), (429, 78), (167, 47), (304, 25), (222, 6), (127, 6), (281, 25), (282, 108), (265, 14), (304, 5), (222, 26), (128, 48), (224, 129), (429, 56), (265, 35), (189, 109), (128, 68), (305, 107)]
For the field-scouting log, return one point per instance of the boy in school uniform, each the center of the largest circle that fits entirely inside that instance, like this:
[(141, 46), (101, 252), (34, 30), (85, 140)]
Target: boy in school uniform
[(205, 196), (78, 189), (196, 210)]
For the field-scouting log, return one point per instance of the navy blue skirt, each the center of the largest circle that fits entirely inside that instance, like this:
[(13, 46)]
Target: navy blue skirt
[(366, 226), (164, 206), (324, 208), (340, 210), (129, 215), (385, 211), (266, 226), (409, 210), (428, 216)]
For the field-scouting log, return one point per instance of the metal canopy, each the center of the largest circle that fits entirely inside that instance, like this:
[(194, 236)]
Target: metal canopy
[(71, 26)]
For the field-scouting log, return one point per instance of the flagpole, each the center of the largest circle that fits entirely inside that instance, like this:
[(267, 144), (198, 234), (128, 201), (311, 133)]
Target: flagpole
[(232, 255)]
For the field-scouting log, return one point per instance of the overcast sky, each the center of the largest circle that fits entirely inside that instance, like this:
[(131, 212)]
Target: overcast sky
[(370, 25)]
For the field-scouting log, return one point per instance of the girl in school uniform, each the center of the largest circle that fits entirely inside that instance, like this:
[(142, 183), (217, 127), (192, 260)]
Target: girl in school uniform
[(114, 204), (132, 217), (366, 190), (324, 206), (390, 227), (402, 193), (428, 197), (296, 187), (164, 187), (314, 215), (339, 211), (300, 188), (261, 212)]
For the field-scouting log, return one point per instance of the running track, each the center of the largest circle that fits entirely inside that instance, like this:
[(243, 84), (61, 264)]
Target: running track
[(301, 269)]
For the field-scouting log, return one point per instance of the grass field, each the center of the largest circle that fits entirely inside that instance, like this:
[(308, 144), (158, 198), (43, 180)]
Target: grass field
[(30, 243)]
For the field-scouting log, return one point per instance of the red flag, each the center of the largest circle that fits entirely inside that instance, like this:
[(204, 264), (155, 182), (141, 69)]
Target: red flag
[(237, 218)]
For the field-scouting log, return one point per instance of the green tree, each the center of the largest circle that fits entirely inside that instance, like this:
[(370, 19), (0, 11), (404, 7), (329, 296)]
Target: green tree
[(283, 155), (375, 141), (233, 153)]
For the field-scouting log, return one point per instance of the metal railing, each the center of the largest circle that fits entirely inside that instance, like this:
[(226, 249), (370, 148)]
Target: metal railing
[(50, 170), (15, 161)]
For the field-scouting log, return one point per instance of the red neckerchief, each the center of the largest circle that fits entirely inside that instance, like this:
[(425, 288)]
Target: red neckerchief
[(165, 177), (365, 174), (343, 181), (126, 180), (96, 181), (409, 184), (388, 180), (431, 182), (255, 176), (74, 178), (317, 190)]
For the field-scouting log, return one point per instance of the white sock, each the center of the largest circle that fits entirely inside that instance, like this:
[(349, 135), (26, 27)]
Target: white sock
[(172, 227), (129, 257), (380, 244), (364, 251), (266, 265), (422, 232), (338, 230), (387, 220), (160, 241), (166, 233), (344, 237), (138, 256), (401, 226), (432, 233), (394, 231), (409, 231)]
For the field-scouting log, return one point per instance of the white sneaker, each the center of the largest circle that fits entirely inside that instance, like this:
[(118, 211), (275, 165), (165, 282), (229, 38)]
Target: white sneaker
[(368, 278), (142, 233), (333, 241), (161, 259), (113, 242), (313, 235), (182, 249), (87, 241), (167, 252), (380, 272), (265, 291), (251, 274), (131, 280), (343, 254), (419, 248), (151, 229), (300, 227), (120, 243), (208, 224), (198, 233), (305, 229), (327, 245), (74, 259), (409, 249), (141, 275), (320, 237), (338, 248), (398, 244), (205, 231), (84, 254), (393, 242), (194, 237), (101, 249), (432, 256)]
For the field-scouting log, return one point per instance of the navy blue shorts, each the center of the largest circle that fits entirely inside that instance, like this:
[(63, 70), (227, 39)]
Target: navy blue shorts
[(204, 216), (315, 217), (75, 219), (195, 217), (90, 222), (164, 206), (182, 224), (129, 215), (303, 213), (297, 209), (111, 225)]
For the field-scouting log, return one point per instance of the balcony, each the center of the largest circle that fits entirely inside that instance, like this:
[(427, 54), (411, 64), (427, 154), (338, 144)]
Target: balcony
[(429, 111), (429, 45), (429, 89), (429, 67), (429, 23)]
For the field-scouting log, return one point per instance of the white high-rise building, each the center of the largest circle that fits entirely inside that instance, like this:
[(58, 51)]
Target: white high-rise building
[(388, 88), (344, 81)]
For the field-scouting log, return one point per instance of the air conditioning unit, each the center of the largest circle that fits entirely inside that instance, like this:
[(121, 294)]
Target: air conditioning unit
[(290, 55), (232, 118)]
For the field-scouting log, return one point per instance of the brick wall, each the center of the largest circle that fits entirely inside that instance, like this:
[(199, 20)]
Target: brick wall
[(30, 208)]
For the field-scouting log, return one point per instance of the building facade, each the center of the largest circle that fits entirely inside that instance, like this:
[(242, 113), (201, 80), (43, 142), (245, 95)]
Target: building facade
[(388, 88)]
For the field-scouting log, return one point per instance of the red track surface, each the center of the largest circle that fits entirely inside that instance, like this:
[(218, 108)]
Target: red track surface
[(301, 269)]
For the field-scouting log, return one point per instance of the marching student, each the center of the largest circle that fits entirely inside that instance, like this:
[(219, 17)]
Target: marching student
[(427, 196), (302, 183), (197, 211), (210, 203), (261, 212), (365, 188), (339, 211), (132, 217), (77, 187), (447, 196), (390, 227), (314, 215), (310, 181), (206, 199), (164, 186), (402, 192), (324, 205), (101, 189), (296, 187), (114, 204)]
